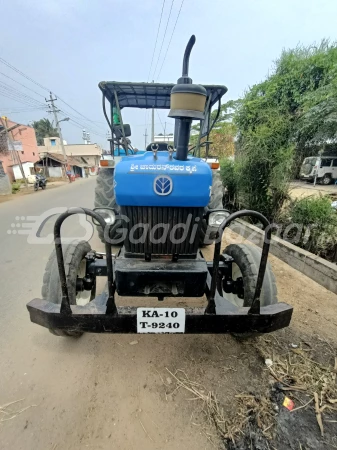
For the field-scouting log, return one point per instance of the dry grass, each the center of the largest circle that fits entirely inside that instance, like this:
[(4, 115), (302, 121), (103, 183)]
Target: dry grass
[(295, 370), (310, 383), (246, 408)]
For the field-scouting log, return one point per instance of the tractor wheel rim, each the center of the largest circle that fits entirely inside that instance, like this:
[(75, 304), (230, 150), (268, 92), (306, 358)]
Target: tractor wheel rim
[(236, 273)]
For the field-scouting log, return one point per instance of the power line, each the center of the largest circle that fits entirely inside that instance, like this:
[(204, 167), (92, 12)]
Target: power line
[(74, 120), (23, 85), (14, 91), (81, 125), (90, 121), (42, 87), (18, 94), (15, 97), (20, 111), (182, 2), (162, 42), (155, 45), (23, 74)]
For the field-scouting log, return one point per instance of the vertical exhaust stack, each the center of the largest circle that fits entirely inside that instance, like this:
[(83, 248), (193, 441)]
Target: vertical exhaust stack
[(187, 103)]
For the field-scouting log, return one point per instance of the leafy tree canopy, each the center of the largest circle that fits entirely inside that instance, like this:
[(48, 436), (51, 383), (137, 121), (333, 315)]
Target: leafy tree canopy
[(302, 86), (224, 130), (280, 121), (44, 128)]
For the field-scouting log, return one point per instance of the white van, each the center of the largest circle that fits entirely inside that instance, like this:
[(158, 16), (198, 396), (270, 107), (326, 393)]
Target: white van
[(323, 168)]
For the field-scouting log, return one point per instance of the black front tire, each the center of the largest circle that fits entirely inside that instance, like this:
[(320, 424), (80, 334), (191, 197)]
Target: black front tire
[(247, 258), (73, 255), (105, 198), (208, 234)]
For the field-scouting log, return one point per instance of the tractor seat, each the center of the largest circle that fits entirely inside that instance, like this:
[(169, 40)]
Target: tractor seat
[(159, 146)]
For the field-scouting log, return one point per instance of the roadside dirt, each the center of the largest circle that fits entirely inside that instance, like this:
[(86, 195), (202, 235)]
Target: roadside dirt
[(301, 189), (24, 191), (154, 392)]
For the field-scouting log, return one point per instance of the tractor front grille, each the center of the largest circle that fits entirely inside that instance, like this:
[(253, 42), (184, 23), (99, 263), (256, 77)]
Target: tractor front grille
[(152, 230)]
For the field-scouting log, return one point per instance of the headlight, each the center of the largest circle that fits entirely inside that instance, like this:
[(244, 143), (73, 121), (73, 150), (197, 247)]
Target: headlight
[(216, 218), (107, 214)]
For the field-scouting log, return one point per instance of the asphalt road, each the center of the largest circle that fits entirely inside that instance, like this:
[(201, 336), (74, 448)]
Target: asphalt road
[(79, 393), (32, 363)]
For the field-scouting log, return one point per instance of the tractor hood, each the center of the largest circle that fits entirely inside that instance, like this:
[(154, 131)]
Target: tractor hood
[(149, 180)]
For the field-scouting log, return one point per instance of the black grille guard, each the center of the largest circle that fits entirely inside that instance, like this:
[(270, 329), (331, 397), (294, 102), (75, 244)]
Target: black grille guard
[(220, 316)]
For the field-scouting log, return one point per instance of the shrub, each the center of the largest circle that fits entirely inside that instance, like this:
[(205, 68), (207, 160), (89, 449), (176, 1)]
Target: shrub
[(15, 188), (317, 215), (228, 176)]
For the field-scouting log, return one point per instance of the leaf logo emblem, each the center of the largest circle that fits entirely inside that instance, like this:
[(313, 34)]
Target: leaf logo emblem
[(163, 185)]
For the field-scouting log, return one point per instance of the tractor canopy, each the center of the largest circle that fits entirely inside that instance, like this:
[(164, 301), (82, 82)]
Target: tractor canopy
[(150, 95)]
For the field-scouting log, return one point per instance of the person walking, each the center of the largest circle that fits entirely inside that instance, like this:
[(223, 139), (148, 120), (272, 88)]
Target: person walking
[(68, 172)]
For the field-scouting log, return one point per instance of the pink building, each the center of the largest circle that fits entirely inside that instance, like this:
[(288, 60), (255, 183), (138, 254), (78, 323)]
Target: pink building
[(21, 143)]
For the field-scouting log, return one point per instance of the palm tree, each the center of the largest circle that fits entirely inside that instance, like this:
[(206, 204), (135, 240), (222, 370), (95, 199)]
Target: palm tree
[(44, 128)]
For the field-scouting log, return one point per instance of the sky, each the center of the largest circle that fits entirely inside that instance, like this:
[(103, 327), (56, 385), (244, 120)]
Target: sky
[(69, 46)]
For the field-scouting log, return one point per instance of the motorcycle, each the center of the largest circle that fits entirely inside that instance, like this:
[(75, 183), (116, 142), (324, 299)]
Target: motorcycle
[(41, 182)]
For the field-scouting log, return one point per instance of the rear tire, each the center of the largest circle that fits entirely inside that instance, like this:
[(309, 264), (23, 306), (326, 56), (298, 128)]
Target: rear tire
[(73, 255), (208, 234), (105, 198), (326, 180)]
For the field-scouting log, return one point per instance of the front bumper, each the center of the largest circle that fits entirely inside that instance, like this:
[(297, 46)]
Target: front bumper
[(220, 316), (92, 318)]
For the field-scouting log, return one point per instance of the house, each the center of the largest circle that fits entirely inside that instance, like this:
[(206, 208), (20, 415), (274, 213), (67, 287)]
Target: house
[(54, 165), (90, 152), (18, 147), (27, 168)]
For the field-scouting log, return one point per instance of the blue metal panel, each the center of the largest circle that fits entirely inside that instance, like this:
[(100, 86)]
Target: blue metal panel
[(142, 180)]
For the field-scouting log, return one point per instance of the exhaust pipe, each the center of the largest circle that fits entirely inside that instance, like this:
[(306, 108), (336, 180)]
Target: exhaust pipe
[(187, 103)]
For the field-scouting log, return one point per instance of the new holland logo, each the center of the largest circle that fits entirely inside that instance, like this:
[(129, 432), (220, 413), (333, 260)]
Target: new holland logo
[(163, 185)]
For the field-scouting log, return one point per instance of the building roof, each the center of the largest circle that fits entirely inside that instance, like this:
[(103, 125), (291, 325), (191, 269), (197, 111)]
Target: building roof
[(22, 163), (71, 160)]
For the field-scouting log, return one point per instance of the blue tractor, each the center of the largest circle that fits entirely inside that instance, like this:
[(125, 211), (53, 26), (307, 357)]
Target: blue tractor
[(160, 208)]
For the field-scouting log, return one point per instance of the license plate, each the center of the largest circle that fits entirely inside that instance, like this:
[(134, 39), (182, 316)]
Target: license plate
[(160, 320)]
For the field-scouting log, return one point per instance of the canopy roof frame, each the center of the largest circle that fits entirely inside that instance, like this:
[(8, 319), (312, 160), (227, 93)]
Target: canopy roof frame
[(149, 95)]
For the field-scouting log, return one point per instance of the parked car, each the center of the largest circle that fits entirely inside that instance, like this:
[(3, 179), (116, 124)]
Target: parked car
[(323, 168)]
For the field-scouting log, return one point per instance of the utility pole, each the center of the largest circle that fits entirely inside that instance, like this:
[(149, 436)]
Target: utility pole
[(18, 160), (55, 111), (152, 127), (15, 153), (145, 138)]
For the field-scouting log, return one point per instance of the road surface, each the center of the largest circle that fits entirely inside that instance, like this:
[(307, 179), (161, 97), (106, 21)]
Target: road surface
[(90, 392)]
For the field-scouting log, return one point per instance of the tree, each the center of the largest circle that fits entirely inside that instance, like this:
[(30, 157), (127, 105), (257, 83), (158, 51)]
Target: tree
[(223, 132), (280, 120), (44, 128), (302, 86)]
